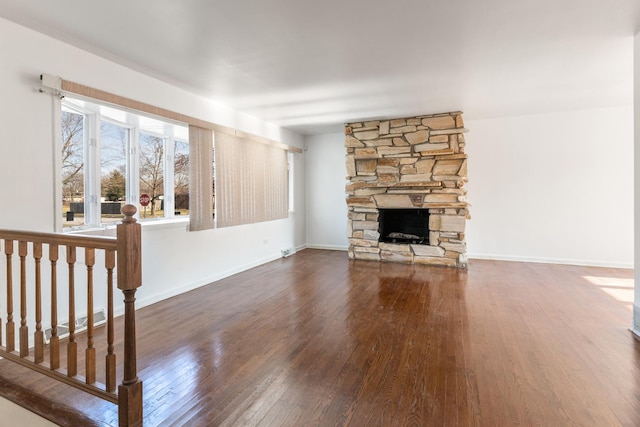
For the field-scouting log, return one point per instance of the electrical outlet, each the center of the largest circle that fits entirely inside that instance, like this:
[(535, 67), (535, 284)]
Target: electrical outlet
[(286, 252)]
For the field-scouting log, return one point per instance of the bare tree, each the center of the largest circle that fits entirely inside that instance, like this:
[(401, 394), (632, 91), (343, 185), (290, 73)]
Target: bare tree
[(181, 175), (151, 168), (72, 154)]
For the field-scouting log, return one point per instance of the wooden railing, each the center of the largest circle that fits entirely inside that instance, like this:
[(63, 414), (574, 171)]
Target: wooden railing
[(125, 251)]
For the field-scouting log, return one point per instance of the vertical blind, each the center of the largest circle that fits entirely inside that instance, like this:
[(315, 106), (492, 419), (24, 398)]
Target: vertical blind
[(251, 181), (200, 178)]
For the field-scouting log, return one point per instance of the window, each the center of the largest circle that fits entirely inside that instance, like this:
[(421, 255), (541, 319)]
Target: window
[(111, 157), (92, 176), (181, 177), (72, 166), (152, 174), (114, 146)]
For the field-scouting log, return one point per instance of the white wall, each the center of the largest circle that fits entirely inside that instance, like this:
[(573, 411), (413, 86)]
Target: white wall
[(553, 187), (325, 191), (174, 260), (636, 73), (548, 188)]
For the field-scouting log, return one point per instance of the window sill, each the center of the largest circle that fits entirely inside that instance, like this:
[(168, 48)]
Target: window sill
[(161, 224), (91, 231), (147, 225)]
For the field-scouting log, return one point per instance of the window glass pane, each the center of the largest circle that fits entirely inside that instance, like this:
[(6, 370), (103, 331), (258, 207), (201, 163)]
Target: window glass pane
[(113, 161), (181, 177), (152, 175), (72, 168)]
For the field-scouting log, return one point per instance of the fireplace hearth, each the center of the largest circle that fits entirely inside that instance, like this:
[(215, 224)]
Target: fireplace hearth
[(405, 190)]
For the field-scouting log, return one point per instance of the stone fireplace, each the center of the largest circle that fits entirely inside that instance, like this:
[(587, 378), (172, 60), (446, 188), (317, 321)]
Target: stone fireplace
[(405, 192)]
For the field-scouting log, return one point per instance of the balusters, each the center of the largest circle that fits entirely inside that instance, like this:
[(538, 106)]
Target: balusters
[(72, 345), (110, 263), (11, 339), (24, 331), (90, 354), (54, 346), (123, 251), (38, 335)]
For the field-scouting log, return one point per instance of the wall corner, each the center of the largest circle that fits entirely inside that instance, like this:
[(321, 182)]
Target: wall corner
[(635, 328), (636, 320), (636, 102)]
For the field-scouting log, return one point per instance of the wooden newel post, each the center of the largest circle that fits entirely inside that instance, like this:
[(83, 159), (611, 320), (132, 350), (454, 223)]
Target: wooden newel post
[(129, 269)]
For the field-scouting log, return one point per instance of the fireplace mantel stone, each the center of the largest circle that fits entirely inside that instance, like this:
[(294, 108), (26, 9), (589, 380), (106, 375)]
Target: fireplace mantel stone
[(415, 162)]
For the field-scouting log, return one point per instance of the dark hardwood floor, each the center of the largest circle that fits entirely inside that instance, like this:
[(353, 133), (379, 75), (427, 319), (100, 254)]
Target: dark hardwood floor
[(316, 339)]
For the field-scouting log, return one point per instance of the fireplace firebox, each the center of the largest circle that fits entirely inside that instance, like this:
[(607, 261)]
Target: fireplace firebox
[(410, 226)]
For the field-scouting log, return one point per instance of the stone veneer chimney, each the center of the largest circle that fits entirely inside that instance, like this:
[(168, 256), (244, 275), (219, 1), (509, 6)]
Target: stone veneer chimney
[(415, 163)]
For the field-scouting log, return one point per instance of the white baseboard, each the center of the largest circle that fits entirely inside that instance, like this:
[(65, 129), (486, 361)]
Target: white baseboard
[(152, 299), (328, 247), (544, 260)]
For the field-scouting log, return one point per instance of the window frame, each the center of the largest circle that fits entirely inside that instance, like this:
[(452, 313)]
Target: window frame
[(90, 109)]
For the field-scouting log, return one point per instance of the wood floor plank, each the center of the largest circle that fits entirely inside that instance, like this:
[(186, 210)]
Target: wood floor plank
[(316, 339)]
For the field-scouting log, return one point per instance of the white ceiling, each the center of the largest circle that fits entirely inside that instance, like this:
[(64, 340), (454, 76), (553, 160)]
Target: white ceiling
[(312, 65)]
